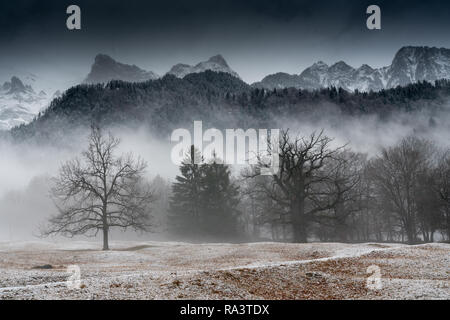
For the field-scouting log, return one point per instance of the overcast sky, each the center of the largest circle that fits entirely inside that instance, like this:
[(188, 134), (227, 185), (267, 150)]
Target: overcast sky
[(256, 37)]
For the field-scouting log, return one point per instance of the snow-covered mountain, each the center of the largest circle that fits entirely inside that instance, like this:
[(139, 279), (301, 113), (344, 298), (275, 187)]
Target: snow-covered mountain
[(19, 103), (216, 63), (410, 64), (106, 69)]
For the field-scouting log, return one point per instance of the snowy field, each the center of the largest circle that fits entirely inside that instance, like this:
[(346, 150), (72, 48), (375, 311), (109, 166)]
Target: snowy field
[(169, 270)]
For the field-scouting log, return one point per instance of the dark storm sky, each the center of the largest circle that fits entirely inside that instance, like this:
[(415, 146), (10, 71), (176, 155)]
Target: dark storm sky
[(257, 37)]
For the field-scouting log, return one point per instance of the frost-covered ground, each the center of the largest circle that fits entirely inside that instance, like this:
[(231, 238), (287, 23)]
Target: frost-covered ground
[(169, 270)]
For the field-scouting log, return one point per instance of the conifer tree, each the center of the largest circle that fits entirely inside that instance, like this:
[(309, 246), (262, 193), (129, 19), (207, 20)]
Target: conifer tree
[(204, 199), (184, 212), (219, 199)]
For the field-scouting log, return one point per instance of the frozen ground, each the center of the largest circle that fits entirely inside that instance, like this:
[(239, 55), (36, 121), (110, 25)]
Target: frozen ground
[(169, 270)]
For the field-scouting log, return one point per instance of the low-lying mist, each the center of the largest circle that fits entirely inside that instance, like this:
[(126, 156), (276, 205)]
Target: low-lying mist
[(26, 169), (367, 133)]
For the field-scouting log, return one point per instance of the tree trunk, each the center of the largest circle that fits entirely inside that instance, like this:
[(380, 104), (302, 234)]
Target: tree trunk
[(299, 221), (410, 234), (299, 226), (105, 238), (341, 228), (105, 227), (426, 237), (300, 233), (448, 225), (273, 231)]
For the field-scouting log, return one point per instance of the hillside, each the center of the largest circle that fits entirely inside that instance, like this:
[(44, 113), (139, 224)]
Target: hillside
[(220, 100)]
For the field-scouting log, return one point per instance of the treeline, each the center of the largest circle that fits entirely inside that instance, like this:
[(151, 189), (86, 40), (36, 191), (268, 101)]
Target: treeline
[(219, 99), (319, 193), (292, 101), (162, 104)]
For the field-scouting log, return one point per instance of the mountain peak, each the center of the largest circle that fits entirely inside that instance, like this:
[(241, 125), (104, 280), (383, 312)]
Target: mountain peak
[(103, 58), (216, 63), (341, 63), (320, 64), (365, 67), (106, 69), (178, 68), (340, 66), (411, 64), (219, 59), (19, 103), (15, 86), (420, 51)]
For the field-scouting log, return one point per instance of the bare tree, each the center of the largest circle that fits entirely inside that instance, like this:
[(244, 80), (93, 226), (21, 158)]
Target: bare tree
[(345, 187), (100, 192), (262, 211), (443, 190), (396, 174), (298, 184), (428, 203)]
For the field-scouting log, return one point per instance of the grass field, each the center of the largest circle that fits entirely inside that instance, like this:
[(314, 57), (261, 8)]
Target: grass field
[(169, 270)]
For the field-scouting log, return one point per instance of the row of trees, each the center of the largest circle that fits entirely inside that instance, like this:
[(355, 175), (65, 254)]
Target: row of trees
[(336, 194), (324, 193), (320, 192), (220, 100)]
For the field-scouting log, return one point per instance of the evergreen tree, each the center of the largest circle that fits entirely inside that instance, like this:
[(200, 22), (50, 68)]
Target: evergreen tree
[(184, 211), (219, 200), (204, 199)]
